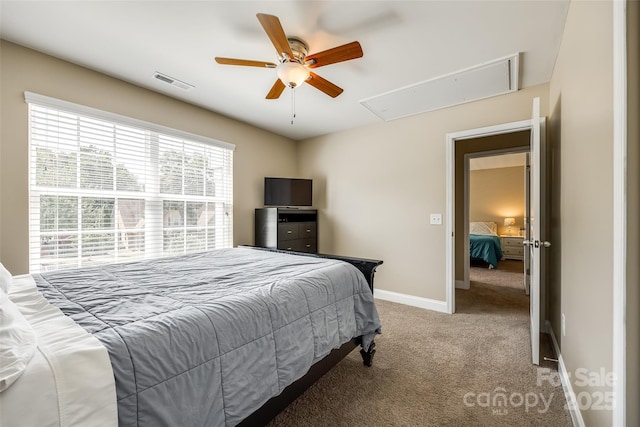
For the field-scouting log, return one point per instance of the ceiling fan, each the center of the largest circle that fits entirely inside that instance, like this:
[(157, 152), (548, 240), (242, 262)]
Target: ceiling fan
[(294, 63)]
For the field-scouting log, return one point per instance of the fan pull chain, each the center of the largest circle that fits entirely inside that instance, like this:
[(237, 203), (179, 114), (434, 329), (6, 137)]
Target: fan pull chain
[(293, 105)]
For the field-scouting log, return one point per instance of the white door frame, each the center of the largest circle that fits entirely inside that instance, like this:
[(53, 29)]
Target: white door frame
[(451, 139), (620, 120)]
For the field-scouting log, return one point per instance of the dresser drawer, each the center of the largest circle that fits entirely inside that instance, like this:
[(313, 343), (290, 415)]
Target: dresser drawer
[(299, 245), (307, 230), (288, 231), (510, 244), (512, 251), (512, 241), (512, 247), (308, 245)]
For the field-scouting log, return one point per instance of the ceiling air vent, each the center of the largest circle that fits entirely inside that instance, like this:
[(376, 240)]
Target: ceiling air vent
[(173, 82), (481, 81)]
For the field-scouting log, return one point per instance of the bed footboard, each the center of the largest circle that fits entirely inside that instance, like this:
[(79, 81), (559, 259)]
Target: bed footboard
[(366, 266), (276, 404), (367, 356)]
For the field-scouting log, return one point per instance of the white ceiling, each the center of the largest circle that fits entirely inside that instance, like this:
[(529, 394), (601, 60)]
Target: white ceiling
[(404, 42)]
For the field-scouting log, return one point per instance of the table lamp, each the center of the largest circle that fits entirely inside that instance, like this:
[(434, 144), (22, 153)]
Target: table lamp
[(508, 222)]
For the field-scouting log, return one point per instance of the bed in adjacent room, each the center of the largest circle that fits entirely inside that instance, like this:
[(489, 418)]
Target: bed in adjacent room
[(484, 243), (206, 339)]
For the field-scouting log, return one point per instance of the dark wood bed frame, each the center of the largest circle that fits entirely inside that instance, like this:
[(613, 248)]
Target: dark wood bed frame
[(276, 404)]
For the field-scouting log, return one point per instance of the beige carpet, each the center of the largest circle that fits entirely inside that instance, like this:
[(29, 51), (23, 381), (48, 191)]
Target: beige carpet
[(509, 273), (434, 369)]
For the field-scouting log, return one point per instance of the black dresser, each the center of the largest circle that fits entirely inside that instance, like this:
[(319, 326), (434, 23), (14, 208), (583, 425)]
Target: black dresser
[(287, 228)]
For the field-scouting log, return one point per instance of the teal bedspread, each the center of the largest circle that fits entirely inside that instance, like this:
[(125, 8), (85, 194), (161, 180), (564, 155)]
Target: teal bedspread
[(486, 248)]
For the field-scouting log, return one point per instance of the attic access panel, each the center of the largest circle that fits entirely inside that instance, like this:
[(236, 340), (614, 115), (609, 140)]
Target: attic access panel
[(483, 81)]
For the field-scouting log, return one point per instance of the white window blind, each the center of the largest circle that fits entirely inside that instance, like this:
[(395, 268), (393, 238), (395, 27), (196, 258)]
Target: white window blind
[(105, 188)]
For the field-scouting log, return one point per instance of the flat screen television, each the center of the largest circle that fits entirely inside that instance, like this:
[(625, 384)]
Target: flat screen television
[(287, 192)]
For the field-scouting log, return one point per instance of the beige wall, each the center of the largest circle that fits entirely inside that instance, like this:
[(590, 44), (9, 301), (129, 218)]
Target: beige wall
[(258, 153), (381, 182), (581, 101), (633, 214), (495, 194)]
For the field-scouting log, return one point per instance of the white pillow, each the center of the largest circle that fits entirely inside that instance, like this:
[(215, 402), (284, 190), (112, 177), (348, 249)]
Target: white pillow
[(486, 228), (17, 342), (5, 279)]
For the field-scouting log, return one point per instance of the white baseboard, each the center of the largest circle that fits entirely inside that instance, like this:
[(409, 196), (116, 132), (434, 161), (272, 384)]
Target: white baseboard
[(576, 415), (460, 284), (426, 303)]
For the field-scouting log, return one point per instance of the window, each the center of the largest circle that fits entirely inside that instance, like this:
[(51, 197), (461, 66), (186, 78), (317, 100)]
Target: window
[(106, 188)]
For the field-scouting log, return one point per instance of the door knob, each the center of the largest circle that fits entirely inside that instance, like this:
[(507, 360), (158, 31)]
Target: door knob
[(536, 243)]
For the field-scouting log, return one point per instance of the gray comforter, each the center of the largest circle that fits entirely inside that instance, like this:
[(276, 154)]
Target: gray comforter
[(205, 339)]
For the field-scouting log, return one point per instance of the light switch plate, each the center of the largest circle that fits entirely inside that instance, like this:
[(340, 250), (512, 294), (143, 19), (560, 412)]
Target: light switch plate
[(435, 219)]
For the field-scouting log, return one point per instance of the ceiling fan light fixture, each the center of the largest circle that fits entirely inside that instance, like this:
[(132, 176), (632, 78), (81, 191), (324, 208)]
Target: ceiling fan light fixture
[(292, 74), (294, 62)]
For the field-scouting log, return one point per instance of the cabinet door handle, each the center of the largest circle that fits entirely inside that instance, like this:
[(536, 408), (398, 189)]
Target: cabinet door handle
[(289, 231), (308, 246)]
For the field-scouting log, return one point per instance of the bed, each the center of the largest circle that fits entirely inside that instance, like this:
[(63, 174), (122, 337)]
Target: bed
[(484, 243), (218, 338)]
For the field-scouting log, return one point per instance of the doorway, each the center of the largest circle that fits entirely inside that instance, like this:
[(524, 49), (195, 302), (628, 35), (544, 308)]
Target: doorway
[(535, 233), (496, 207), (510, 136)]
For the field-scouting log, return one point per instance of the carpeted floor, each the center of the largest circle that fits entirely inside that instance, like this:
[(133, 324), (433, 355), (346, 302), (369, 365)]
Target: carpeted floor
[(510, 273), (434, 369)]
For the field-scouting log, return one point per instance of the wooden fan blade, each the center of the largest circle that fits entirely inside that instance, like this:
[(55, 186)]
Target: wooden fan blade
[(245, 62), (276, 90), (324, 85), (342, 53), (272, 27)]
